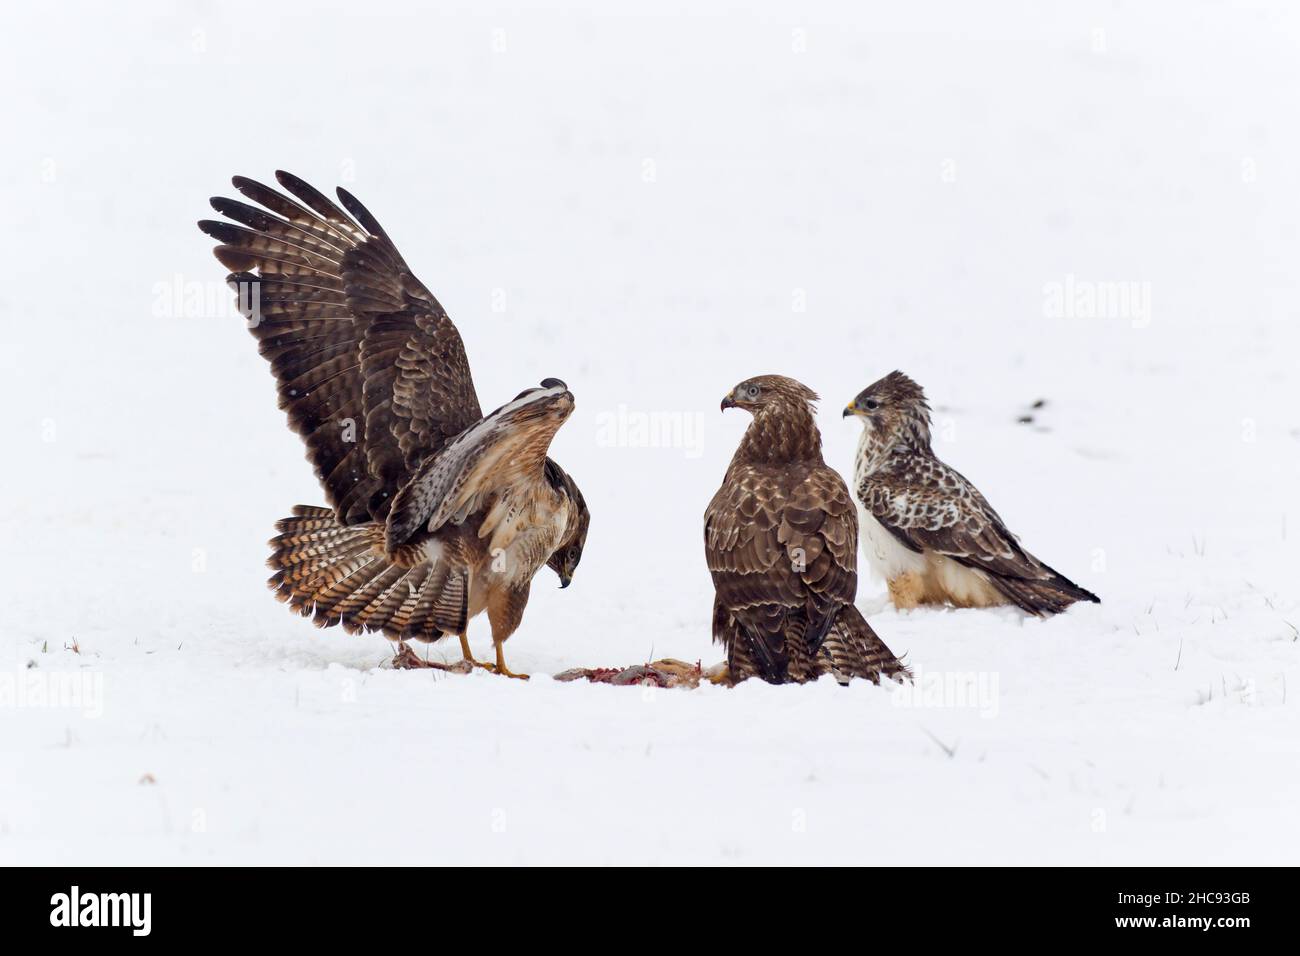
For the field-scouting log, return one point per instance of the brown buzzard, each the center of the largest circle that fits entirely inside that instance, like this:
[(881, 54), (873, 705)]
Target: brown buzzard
[(927, 530), (437, 511), (780, 537)]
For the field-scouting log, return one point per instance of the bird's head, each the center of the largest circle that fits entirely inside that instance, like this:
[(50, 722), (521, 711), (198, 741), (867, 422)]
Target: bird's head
[(784, 428), (761, 392), (893, 408), (552, 399), (564, 559)]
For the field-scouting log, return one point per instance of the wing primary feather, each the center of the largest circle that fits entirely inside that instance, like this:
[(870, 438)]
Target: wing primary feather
[(353, 205), (354, 340), (315, 199), (294, 211), (268, 222)]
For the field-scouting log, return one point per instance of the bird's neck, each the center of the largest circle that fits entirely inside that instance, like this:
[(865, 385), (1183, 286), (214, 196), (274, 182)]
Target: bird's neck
[(875, 448), (781, 434)]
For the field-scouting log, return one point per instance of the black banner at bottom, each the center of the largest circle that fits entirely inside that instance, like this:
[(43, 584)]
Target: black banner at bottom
[(1230, 906)]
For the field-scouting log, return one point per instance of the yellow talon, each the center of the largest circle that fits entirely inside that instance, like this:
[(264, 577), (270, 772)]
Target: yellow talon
[(504, 671), (500, 666)]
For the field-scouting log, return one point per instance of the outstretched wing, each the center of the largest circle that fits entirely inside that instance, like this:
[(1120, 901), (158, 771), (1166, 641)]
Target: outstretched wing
[(499, 460), (781, 548), (371, 371), (930, 507)]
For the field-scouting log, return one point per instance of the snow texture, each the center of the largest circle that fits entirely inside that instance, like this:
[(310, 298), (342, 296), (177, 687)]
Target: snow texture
[(1089, 204)]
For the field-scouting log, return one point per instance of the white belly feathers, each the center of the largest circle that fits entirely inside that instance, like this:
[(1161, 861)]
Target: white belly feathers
[(887, 556)]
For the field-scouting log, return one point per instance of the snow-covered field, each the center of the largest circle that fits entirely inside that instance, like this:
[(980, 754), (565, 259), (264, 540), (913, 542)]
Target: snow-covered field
[(654, 205)]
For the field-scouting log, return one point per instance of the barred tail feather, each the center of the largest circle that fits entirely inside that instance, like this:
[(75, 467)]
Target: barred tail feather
[(854, 650), (341, 574), (850, 649)]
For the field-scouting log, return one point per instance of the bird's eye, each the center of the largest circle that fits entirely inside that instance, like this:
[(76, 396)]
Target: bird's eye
[(872, 404), (573, 554), (751, 391)]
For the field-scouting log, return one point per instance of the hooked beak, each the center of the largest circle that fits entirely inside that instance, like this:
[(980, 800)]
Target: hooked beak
[(565, 579), (851, 409), (728, 402)]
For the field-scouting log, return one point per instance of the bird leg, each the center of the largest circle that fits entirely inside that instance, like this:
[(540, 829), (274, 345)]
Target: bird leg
[(907, 590), (500, 666), (467, 654), (505, 608)]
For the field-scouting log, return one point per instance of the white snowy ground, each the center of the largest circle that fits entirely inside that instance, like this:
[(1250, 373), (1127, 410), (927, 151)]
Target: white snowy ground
[(654, 205)]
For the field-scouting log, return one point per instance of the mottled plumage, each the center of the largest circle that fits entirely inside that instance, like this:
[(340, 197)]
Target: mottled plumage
[(926, 529), (437, 511), (780, 539)]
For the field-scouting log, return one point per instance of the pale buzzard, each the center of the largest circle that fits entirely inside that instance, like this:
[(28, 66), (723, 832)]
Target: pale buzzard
[(927, 530)]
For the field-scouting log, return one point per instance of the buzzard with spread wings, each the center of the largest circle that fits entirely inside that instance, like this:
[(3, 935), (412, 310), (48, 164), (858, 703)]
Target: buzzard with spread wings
[(780, 538), (927, 530), (437, 512)]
